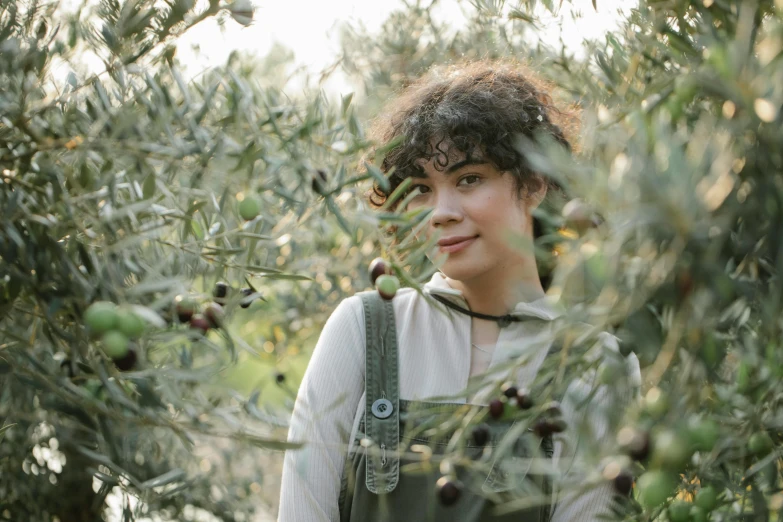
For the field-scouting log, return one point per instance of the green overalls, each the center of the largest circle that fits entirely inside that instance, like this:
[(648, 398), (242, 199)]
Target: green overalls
[(391, 472)]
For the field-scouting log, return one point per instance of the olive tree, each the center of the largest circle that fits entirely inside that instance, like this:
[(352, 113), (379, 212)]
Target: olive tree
[(145, 219)]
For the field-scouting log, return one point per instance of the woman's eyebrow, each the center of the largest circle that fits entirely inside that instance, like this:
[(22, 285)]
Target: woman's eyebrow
[(420, 173), (464, 163)]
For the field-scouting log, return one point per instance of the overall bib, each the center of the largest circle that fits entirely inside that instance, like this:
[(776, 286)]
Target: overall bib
[(391, 471)]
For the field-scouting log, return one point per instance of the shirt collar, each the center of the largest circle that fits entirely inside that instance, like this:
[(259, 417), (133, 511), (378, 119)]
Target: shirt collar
[(547, 308)]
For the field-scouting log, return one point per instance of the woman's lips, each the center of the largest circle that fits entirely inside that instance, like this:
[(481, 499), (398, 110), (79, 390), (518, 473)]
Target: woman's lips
[(456, 247)]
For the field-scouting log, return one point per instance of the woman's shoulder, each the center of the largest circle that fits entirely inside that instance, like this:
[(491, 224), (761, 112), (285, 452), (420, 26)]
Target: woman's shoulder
[(403, 299), (406, 302), (353, 306), (346, 325)]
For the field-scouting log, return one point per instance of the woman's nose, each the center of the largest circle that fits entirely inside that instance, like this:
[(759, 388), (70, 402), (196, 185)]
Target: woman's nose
[(447, 208)]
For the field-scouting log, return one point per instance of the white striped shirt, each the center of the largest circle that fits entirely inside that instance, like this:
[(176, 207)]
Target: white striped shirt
[(434, 352)]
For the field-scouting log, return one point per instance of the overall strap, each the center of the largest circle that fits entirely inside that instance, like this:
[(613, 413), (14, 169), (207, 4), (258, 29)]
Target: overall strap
[(382, 387), (548, 445)]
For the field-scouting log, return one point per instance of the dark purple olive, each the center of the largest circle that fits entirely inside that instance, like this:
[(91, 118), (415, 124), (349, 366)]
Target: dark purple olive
[(496, 408), (524, 400), (509, 390), (623, 483), (641, 454), (480, 435), (214, 314), (558, 425), (279, 378), (199, 322), (552, 409), (639, 446), (185, 308), (246, 300), (546, 427), (448, 491), (318, 183), (541, 428), (220, 292), (126, 362), (378, 267)]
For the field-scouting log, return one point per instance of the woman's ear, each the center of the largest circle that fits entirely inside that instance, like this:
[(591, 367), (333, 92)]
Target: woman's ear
[(535, 197)]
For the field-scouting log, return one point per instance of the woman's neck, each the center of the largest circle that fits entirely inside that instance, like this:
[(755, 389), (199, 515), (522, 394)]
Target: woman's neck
[(497, 292)]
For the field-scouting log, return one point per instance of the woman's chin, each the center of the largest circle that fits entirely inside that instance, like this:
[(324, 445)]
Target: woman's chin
[(456, 267), (458, 270)]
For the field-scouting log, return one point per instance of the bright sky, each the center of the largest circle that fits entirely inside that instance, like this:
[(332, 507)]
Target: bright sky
[(309, 29)]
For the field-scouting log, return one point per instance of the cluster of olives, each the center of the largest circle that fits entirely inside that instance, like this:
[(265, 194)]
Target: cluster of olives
[(666, 451), (706, 500), (203, 318), (211, 315), (221, 290), (548, 423), (116, 327), (381, 277), (503, 408)]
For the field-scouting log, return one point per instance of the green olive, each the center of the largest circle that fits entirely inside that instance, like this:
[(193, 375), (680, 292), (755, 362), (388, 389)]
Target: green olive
[(249, 208), (656, 404), (707, 498), (704, 434), (387, 285), (680, 511), (115, 344), (101, 317), (655, 487), (760, 443), (670, 450), (698, 514), (130, 324)]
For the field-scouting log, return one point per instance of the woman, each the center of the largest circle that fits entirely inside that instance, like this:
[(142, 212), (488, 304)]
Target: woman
[(459, 129)]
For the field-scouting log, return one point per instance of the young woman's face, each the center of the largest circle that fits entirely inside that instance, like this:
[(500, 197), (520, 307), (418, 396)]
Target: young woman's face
[(474, 202)]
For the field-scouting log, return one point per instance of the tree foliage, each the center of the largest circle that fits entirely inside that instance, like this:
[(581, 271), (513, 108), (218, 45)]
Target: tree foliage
[(680, 156), (123, 186)]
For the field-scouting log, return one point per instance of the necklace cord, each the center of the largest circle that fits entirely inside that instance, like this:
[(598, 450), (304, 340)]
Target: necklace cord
[(480, 349), (502, 320)]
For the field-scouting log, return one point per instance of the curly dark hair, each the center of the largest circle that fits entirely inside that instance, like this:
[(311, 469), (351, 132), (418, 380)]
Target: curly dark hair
[(476, 108), (480, 108)]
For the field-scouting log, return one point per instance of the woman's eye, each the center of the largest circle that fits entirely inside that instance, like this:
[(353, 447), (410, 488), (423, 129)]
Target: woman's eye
[(418, 189), (473, 177)]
